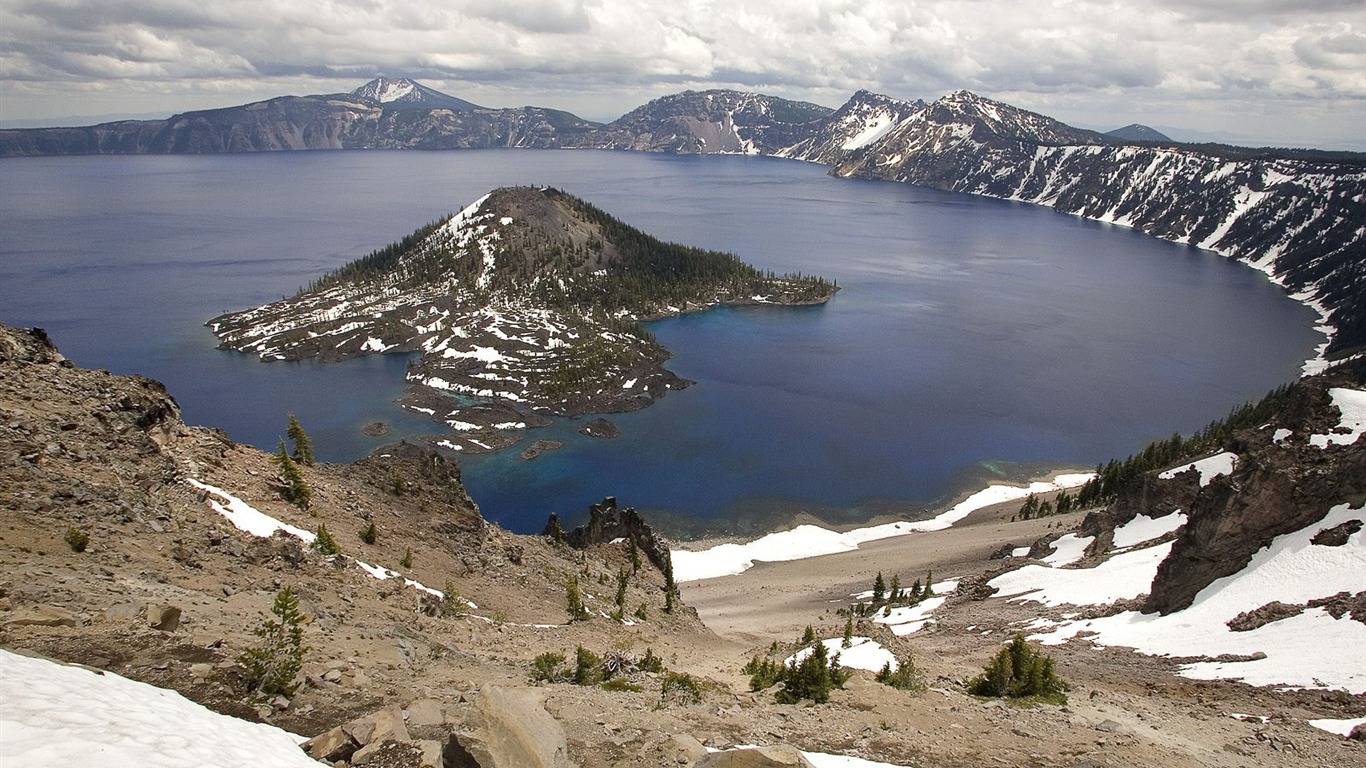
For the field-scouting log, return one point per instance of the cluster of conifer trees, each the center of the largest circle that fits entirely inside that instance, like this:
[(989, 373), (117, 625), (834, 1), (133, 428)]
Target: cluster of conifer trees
[(1115, 476)]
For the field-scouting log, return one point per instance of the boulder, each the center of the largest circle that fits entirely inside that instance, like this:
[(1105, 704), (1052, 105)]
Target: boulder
[(510, 728), (331, 746), (424, 712), (42, 616), (780, 756), (165, 618), (386, 724), (688, 749)]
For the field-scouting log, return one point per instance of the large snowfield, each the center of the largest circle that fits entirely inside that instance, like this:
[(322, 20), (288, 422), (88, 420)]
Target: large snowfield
[(60, 715), (1309, 650)]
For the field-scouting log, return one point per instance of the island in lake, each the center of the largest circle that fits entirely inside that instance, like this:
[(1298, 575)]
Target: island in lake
[(527, 303)]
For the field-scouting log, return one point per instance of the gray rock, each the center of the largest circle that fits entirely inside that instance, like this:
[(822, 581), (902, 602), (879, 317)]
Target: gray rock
[(510, 728), (42, 616), (332, 746), (424, 712), (780, 756), (165, 618)]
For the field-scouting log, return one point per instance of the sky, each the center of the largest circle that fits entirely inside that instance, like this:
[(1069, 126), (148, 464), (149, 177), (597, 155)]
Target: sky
[(1277, 72)]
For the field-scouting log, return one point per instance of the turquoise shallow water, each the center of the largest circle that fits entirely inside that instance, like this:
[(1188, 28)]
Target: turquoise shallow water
[(972, 339)]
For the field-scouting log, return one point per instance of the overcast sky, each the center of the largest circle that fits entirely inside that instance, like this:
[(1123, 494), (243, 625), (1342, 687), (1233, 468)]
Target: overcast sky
[(1289, 72)]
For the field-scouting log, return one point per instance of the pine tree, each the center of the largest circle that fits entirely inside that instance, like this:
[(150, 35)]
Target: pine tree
[(303, 447), (407, 559), (809, 636), (574, 601), (929, 585), (272, 666), (879, 589), (895, 596), (635, 556), (670, 588), (324, 543), (848, 632), (296, 489), (369, 534)]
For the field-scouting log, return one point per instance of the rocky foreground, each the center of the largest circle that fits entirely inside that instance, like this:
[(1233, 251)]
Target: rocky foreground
[(167, 590)]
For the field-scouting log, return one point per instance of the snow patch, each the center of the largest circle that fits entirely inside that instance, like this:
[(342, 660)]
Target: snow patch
[(862, 653), (1352, 405), (1143, 529), (60, 715), (1208, 468)]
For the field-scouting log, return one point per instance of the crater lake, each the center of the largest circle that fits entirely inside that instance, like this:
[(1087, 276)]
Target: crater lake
[(973, 339)]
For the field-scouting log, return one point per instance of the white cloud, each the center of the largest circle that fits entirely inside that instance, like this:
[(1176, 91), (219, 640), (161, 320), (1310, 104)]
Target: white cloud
[(1269, 57)]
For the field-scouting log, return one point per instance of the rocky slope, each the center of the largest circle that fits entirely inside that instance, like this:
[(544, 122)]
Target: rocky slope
[(522, 304), (171, 584)]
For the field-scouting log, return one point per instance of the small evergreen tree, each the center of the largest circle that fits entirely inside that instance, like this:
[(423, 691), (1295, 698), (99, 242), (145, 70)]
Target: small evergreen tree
[(407, 560), (324, 543), (369, 534), (1019, 671), (879, 589), (848, 632), (809, 636), (905, 677), (296, 490), (670, 588), (895, 595), (587, 667), (574, 600), (77, 539), (272, 666), (303, 447), (623, 578), (928, 592), (635, 556), (547, 667), (811, 678)]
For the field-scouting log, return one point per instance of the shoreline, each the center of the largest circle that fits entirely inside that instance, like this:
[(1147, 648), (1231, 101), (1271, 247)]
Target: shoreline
[(714, 558)]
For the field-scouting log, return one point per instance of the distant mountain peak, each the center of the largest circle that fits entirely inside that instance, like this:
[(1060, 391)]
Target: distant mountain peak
[(1007, 121), (403, 93), (1138, 132), (385, 89)]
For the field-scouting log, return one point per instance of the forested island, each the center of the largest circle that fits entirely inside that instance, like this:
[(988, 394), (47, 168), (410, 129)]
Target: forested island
[(527, 303)]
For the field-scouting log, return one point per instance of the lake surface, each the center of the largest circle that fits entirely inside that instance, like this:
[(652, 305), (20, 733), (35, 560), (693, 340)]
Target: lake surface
[(972, 338)]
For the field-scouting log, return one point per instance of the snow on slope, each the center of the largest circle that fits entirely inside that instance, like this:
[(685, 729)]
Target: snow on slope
[(55, 715), (1208, 468), (1144, 529), (862, 653), (811, 540), (1351, 404), (1309, 650)]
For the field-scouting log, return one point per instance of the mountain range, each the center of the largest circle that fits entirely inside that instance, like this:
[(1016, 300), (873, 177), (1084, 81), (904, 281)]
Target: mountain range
[(1297, 215)]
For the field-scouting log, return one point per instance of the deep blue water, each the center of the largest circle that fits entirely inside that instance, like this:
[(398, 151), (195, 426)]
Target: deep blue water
[(973, 338)]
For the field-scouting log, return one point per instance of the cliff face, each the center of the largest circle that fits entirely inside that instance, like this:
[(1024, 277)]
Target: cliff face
[(1286, 476)]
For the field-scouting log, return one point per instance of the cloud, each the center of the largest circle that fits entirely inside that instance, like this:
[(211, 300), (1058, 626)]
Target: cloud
[(1168, 50)]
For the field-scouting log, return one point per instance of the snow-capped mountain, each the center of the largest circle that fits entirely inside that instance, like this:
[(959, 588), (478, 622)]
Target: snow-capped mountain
[(702, 122), (863, 120), (402, 93), (1299, 219)]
